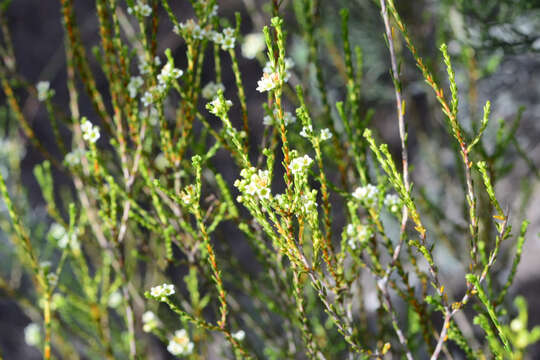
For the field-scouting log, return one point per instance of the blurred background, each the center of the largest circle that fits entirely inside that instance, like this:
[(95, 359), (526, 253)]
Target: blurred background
[(495, 45)]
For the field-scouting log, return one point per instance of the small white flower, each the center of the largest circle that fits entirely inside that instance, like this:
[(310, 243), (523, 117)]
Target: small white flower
[(145, 10), (115, 300), (168, 289), (168, 74), (253, 44), (268, 82), (134, 84), (52, 279), (239, 335), (179, 344), (306, 131), (367, 194), (326, 134), (86, 125), (228, 32), (63, 242), (392, 202), (516, 325), (300, 164), (148, 316), (147, 98), (228, 43), (94, 135), (43, 90), (32, 334), (251, 188), (261, 182), (218, 106), (211, 89), (268, 120), (57, 231), (198, 32)]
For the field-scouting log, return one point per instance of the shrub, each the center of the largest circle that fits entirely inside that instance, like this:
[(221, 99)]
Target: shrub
[(184, 223)]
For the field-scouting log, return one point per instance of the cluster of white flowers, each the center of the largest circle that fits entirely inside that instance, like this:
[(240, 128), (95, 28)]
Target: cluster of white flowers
[(168, 74), (360, 233), (162, 291), (306, 131), (288, 118), (179, 344), (150, 321), (300, 164), (140, 9), (165, 77), (219, 106), (367, 194), (32, 334), (326, 134), (90, 132), (211, 89), (191, 28), (133, 86), (225, 39), (253, 44), (43, 90), (271, 76), (254, 182), (145, 67), (392, 202)]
